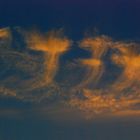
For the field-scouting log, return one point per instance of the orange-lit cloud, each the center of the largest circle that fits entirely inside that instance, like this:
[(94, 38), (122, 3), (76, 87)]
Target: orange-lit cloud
[(7, 92), (96, 104), (30, 75), (129, 60), (53, 46), (4, 33), (98, 46), (113, 99)]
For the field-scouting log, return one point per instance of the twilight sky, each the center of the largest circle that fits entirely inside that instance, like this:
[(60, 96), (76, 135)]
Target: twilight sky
[(69, 70)]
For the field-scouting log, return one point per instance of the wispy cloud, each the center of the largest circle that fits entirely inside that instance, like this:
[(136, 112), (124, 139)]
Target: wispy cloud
[(53, 45), (4, 33), (98, 46), (31, 74)]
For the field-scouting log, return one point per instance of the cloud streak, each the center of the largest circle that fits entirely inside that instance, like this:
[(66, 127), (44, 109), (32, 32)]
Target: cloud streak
[(98, 46), (129, 60), (53, 45)]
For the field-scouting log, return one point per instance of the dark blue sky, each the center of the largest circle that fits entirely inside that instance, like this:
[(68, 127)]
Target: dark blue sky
[(115, 18)]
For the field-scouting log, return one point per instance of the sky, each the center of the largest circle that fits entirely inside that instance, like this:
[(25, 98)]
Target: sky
[(69, 70)]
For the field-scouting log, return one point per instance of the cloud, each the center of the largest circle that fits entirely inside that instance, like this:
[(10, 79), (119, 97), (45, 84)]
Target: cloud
[(98, 47), (53, 45), (6, 92), (120, 96), (30, 74), (96, 104), (4, 33), (129, 60)]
